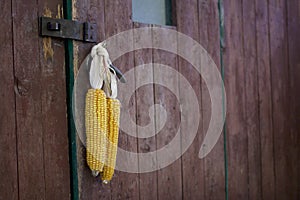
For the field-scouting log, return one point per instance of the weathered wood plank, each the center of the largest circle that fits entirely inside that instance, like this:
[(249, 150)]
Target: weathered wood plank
[(192, 167), (91, 11), (280, 92), (53, 116), (210, 39), (118, 18), (235, 85), (28, 100), (251, 99), (293, 17), (8, 139), (169, 178), (144, 100), (265, 100)]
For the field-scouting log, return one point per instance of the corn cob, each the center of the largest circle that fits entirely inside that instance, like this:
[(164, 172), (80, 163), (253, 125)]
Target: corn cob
[(96, 129), (113, 114)]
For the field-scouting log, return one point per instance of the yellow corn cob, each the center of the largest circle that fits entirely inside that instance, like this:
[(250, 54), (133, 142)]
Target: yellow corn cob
[(96, 129), (113, 115)]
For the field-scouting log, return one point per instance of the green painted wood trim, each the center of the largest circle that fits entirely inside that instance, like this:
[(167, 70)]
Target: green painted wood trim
[(222, 46), (69, 60), (169, 20)]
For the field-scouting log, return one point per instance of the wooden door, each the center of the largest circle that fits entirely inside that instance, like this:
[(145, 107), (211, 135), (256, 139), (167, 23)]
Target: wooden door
[(34, 147), (183, 179), (253, 159)]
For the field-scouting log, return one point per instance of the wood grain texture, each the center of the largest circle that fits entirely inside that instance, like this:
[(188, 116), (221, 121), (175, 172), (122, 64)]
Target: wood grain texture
[(251, 99), (261, 81), (28, 101), (236, 104), (144, 100), (41, 107), (88, 11), (117, 19), (8, 139), (210, 39), (293, 29), (280, 90), (169, 178), (265, 100), (91, 11), (53, 116), (192, 166)]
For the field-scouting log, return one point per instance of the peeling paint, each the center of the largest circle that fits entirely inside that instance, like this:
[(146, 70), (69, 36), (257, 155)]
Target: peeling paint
[(75, 44), (75, 57), (47, 12), (47, 41), (47, 48), (60, 12), (74, 10)]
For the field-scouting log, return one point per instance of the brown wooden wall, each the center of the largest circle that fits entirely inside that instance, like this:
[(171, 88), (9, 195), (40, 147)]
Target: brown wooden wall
[(261, 65), (34, 161)]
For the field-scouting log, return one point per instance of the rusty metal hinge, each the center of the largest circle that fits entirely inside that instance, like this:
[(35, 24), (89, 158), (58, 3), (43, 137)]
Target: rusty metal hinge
[(68, 29)]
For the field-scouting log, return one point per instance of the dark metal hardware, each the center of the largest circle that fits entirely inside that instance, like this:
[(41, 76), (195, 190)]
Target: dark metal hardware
[(68, 29), (119, 74), (53, 26)]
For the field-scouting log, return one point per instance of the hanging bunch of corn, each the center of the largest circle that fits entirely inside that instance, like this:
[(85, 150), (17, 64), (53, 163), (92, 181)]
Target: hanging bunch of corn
[(102, 112), (113, 113), (96, 129)]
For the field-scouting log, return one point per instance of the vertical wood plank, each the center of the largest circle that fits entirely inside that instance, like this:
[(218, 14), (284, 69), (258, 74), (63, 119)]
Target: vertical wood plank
[(117, 19), (88, 11), (41, 107), (91, 11), (293, 17), (169, 178), (8, 139), (235, 85), (203, 17), (53, 116), (210, 38), (280, 90), (192, 167), (251, 99), (265, 100), (28, 101), (144, 100)]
